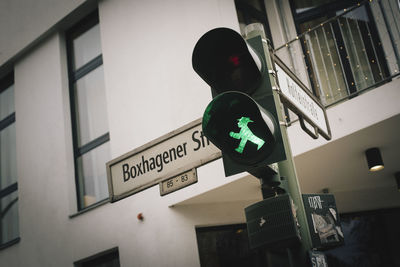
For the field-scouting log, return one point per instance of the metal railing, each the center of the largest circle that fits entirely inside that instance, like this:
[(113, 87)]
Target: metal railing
[(350, 53)]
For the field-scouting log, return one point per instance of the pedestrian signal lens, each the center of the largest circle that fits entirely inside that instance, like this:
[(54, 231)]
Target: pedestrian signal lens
[(245, 135), (237, 125)]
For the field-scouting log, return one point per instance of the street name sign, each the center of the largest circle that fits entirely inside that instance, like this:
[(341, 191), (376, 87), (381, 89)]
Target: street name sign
[(295, 95), (166, 157)]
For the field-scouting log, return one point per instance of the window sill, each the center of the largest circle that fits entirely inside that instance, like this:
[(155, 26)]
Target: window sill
[(89, 208), (10, 243)]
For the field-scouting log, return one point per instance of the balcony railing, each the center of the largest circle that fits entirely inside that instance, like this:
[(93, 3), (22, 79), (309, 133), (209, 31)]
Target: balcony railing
[(354, 51)]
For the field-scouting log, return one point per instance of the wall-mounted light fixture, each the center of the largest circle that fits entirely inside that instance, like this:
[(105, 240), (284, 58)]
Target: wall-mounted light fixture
[(397, 177), (374, 159)]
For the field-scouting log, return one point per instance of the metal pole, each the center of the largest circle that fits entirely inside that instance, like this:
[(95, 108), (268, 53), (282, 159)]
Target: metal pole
[(286, 168)]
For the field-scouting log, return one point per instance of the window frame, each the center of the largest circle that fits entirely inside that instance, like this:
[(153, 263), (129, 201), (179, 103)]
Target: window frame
[(6, 83), (73, 76), (98, 258)]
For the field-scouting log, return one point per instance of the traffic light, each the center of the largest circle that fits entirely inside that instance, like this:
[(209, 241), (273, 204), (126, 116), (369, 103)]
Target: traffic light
[(242, 118)]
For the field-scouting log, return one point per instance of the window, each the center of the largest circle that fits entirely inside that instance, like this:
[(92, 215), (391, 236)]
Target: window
[(109, 258), (252, 12), (343, 51), (89, 112), (9, 230)]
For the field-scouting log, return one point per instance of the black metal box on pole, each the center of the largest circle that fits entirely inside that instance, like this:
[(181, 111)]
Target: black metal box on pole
[(272, 223)]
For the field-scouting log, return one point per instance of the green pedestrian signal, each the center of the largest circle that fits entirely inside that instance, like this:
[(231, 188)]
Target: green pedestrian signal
[(238, 126), (245, 135)]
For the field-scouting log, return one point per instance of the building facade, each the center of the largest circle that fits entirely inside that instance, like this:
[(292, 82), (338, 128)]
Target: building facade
[(84, 82)]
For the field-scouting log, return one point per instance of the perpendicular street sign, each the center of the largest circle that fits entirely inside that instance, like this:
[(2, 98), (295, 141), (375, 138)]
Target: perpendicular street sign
[(166, 157), (295, 95)]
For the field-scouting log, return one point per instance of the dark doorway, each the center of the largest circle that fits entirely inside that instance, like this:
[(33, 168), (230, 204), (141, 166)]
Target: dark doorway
[(228, 246), (371, 240)]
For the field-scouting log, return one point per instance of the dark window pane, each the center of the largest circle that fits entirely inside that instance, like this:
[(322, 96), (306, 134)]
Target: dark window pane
[(90, 106), (7, 102), (9, 217), (92, 175), (8, 159), (86, 47)]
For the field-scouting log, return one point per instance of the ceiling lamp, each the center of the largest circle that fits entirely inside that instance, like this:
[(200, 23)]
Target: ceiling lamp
[(374, 159)]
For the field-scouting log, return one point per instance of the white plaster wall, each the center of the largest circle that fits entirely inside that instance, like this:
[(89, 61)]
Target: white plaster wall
[(166, 236), (23, 21)]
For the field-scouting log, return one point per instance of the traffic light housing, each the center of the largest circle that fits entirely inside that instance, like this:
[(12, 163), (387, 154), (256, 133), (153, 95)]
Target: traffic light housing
[(243, 106)]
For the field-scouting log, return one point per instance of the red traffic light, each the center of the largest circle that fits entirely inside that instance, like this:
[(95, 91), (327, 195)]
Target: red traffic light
[(222, 58), (234, 59)]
